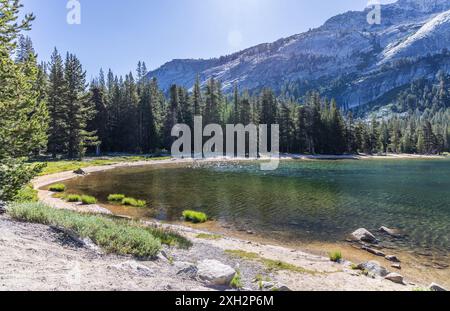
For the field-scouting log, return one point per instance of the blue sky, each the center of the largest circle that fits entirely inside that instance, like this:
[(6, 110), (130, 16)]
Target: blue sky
[(117, 34)]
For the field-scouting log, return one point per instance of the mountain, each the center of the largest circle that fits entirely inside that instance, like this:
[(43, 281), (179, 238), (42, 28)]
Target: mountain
[(346, 58)]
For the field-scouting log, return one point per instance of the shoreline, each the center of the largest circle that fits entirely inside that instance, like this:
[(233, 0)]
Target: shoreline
[(240, 240)]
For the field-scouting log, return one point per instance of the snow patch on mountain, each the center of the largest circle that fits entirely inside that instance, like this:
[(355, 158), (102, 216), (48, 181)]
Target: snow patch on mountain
[(432, 36)]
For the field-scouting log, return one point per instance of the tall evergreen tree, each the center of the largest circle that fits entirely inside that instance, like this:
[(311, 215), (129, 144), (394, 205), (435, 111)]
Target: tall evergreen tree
[(79, 109), (23, 113)]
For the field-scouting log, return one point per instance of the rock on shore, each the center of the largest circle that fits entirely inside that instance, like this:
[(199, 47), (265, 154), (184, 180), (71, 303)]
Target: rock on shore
[(214, 272)]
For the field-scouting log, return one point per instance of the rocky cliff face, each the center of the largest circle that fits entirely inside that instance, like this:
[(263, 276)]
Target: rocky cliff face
[(346, 58)]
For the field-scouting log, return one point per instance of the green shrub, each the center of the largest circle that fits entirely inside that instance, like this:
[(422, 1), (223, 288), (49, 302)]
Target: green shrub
[(335, 256), (57, 188), (88, 200), (195, 217), (14, 175), (133, 202), (236, 282), (169, 237), (26, 194), (114, 236), (73, 198), (116, 197)]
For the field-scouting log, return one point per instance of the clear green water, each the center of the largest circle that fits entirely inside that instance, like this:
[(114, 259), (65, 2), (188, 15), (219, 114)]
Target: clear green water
[(302, 200)]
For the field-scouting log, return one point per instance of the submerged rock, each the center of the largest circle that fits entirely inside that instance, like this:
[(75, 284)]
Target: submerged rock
[(373, 267), (389, 231), (214, 272), (373, 251), (396, 278), (364, 235), (393, 258), (437, 288)]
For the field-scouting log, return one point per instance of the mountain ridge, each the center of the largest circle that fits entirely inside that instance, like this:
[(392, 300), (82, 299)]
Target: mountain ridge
[(339, 57)]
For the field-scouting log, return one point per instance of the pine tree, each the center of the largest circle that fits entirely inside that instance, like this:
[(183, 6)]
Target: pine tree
[(57, 89), (172, 117), (236, 116), (212, 103), (23, 113), (99, 123), (79, 109), (197, 100)]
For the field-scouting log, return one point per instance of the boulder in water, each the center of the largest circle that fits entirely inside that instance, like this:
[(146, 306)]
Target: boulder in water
[(364, 235)]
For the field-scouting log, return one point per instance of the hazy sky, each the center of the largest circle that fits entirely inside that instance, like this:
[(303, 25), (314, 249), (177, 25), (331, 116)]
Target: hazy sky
[(117, 34)]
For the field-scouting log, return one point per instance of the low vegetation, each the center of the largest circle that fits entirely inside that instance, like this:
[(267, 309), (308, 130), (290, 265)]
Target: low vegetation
[(260, 280), (114, 236), (73, 198), (57, 188), (236, 282), (53, 167), (26, 194), (116, 197), (88, 200), (133, 202), (195, 217), (269, 264), (169, 237), (206, 236), (335, 256)]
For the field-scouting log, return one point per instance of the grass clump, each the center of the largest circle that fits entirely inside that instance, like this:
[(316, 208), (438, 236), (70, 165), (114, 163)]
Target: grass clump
[(169, 237), (260, 280), (242, 254), (73, 198), (236, 282), (195, 217), (114, 236), (26, 194), (88, 200), (133, 202), (335, 256), (206, 236), (270, 265), (116, 197), (57, 188)]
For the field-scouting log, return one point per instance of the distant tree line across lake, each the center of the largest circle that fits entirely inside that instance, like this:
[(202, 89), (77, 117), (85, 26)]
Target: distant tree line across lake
[(133, 115)]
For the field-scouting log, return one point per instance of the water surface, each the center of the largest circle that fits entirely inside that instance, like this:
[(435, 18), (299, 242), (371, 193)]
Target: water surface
[(301, 201)]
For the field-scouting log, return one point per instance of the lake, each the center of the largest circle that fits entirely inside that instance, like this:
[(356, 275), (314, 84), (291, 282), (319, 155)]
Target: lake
[(307, 201)]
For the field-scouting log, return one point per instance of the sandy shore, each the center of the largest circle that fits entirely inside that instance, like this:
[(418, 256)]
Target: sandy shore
[(35, 258)]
